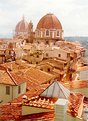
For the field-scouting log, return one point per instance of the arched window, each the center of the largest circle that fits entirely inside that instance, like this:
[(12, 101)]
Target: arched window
[(58, 34), (47, 32)]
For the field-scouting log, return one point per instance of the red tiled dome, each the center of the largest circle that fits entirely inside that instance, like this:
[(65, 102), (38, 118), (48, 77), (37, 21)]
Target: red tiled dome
[(22, 26), (49, 21)]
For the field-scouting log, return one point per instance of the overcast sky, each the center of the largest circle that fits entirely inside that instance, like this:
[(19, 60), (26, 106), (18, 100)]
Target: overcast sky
[(73, 14)]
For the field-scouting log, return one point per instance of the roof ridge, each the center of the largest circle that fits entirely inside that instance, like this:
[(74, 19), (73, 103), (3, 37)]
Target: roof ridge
[(11, 77)]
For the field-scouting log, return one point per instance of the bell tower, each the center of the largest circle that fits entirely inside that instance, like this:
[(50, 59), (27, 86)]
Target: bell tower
[(30, 32)]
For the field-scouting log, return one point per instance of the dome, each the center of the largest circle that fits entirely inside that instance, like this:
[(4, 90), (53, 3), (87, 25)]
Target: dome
[(49, 21), (22, 26)]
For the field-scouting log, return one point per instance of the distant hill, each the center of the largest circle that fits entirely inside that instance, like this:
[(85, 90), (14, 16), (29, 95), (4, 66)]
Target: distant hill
[(77, 38)]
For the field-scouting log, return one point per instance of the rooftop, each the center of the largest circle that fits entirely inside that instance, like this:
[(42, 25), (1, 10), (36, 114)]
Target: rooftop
[(39, 76), (6, 77), (82, 68)]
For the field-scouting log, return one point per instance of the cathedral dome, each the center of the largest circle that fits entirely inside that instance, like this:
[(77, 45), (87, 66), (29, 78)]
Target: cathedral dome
[(49, 21), (22, 26)]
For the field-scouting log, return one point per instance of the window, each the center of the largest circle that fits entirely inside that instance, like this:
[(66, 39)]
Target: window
[(47, 42), (37, 56), (47, 54), (65, 64), (47, 32), (38, 42), (8, 90), (57, 33), (30, 62), (19, 89), (36, 62), (59, 55), (48, 69), (31, 54), (41, 69), (68, 55)]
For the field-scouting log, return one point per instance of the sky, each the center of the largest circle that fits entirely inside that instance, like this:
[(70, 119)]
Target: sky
[(73, 14)]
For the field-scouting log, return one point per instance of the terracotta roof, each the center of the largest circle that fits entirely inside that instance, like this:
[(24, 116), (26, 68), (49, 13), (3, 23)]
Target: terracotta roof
[(57, 71), (38, 76), (75, 100), (32, 91), (13, 111), (27, 46), (41, 102), (6, 77), (31, 82), (70, 46), (10, 111), (18, 79), (13, 40), (49, 21), (82, 68), (16, 65), (56, 63), (54, 60)]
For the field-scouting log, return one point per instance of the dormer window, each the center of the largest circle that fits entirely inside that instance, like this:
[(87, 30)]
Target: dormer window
[(47, 32)]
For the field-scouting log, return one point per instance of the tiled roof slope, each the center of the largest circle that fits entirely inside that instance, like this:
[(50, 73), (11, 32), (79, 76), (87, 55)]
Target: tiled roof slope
[(38, 76), (6, 77)]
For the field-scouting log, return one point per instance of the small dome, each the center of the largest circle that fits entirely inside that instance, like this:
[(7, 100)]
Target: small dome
[(22, 26), (49, 21)]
